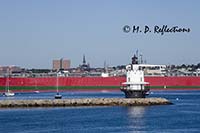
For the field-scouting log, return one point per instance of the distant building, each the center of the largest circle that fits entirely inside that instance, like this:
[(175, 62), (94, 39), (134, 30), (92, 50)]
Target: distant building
[(5, 70), (85, 66), (61, 64)]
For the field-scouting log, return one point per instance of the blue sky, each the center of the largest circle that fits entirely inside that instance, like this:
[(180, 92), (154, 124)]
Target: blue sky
[(34, 32)]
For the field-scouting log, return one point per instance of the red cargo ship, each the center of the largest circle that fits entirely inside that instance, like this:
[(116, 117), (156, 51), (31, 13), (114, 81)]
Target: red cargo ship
[(95, 83)]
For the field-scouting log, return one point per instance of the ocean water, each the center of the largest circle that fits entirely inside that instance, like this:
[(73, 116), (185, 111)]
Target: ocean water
[(182, 116)]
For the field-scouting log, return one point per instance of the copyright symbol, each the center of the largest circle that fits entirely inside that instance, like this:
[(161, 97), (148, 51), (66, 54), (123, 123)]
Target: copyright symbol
[(126, 29)]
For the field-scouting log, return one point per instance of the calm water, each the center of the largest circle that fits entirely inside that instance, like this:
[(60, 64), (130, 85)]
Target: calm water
[(182, 116)]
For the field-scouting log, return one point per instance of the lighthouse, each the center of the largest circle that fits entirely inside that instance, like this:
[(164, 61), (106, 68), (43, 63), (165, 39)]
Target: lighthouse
[(135, 86)]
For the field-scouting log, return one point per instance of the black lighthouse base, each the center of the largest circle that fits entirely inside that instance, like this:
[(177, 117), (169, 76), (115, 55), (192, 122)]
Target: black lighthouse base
[(134, 94)]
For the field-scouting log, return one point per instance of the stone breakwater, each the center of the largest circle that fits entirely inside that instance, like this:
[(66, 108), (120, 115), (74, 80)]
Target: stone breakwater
[(84, 102)]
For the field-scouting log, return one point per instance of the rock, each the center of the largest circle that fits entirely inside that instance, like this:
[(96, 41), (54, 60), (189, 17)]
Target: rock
[(84, 102)]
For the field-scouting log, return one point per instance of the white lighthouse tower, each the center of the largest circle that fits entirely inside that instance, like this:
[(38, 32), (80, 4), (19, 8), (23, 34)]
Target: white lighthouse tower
[(135, 86)]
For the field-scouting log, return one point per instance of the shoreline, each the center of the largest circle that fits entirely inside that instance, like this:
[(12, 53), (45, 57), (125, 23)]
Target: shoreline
[(84, 102)]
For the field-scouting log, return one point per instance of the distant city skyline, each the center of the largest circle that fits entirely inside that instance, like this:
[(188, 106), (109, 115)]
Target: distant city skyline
[(33, 33)]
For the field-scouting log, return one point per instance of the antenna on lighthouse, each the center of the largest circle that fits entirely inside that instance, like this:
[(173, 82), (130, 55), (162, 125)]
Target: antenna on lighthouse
[(141, 59), (137, 53)]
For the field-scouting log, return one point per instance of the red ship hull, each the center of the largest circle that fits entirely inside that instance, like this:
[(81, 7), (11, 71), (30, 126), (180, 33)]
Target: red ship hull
[(97, 82)]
